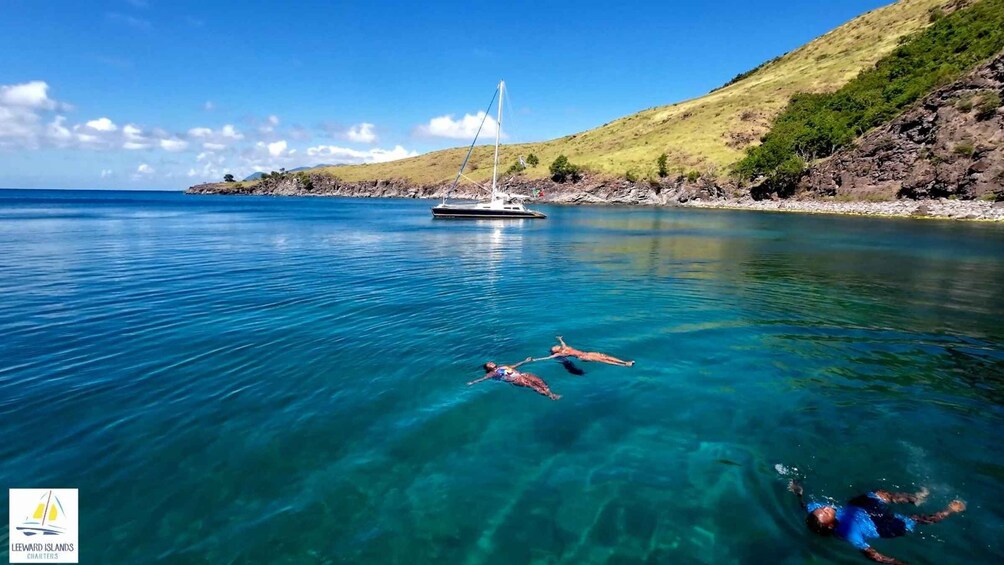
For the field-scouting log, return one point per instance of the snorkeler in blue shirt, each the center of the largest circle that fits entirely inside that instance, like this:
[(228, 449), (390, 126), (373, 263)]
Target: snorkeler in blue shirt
[(868, 516)]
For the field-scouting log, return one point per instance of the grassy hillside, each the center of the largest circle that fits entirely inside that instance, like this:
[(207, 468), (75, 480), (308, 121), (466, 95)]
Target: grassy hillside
[(816, 125), (705, 134)]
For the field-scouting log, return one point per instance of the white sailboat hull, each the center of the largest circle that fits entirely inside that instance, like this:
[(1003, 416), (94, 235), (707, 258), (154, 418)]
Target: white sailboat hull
[(486, 210)]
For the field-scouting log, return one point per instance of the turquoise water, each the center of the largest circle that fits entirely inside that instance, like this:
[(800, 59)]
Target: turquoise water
[(258, 380)]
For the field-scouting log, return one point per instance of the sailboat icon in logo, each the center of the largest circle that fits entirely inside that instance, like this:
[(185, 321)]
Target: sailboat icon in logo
[(45, 520)]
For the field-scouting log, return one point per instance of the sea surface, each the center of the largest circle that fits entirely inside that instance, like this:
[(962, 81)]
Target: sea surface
[(283, 380)]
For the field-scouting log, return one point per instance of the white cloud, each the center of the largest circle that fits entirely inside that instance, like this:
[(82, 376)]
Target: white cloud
[(173, 144), (230, 132), (58, 132), (343, 155), (361, 133), (145, 169), (464, 128), (105, 173), (132, 132), (132, 145), (276, 149), (102, 124), (215, 140), (32, 94), (269, 125), (21, 108)]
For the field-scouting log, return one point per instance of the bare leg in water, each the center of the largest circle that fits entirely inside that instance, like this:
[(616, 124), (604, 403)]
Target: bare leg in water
[(604, 358), (536, 383)]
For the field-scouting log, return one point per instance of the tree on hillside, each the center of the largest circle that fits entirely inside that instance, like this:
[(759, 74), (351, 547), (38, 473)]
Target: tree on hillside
[(661, 161), (562, 170), (228, 178), (532, 160)]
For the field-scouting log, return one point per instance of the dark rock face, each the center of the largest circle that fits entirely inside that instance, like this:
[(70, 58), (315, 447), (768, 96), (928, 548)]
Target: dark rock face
[(949, 144), (589, 190)]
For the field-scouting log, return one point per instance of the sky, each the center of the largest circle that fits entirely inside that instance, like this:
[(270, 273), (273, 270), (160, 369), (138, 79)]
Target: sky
[(163, 94)]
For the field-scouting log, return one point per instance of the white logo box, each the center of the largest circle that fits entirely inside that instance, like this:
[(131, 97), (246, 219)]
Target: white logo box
[(43, 525)]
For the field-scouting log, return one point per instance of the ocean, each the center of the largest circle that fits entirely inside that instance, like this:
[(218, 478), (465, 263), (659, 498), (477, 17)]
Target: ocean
[(283, 380)]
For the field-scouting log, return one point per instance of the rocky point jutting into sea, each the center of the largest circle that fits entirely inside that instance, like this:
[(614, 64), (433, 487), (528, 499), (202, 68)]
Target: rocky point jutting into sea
[(942, 158)]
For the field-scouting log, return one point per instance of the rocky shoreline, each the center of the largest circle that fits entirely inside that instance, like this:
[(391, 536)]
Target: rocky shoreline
[(596, 191), (945, 209)]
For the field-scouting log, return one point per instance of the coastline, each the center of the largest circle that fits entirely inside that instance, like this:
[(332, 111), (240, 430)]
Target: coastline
[(606, 192), (942, 209)]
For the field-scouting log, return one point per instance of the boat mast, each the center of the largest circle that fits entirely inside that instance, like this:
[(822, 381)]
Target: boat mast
[(498, 133)]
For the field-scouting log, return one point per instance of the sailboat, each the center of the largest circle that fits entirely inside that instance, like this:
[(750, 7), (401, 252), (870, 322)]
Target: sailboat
[(44, 520), (501, 205)]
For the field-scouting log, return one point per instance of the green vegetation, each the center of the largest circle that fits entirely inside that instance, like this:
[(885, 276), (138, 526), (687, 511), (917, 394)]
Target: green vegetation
[(562, 170), (965, 149), (228, 178), (661, 162), (515, 168), (692, 176), (631, 175), (988, 104), (705, 133), (305, 181), (743, 75), (816, 125), (532, 160)]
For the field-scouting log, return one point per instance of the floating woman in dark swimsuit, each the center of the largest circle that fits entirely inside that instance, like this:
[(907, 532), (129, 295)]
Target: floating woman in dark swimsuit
[(564, 350), (509, 374)]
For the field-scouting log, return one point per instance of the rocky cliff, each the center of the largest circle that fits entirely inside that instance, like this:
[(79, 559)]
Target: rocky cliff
[(951, 144), (589, 190)]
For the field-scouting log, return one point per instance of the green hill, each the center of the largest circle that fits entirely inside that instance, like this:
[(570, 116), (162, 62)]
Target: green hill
[(706, 134)]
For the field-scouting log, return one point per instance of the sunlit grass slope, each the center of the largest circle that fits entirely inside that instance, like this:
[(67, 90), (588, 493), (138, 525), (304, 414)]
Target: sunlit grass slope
[(705, 134)]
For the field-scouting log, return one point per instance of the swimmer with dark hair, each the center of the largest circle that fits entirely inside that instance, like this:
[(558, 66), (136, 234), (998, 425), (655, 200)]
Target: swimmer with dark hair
[(869, 516), (509, 374)]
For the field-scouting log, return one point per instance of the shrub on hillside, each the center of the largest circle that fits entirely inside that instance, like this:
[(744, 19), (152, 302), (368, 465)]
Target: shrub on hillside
[(964, 149), (815, 125), (515, 168), (228, 178), (987, 105), (562, 170), (532, 160), (661, 162)]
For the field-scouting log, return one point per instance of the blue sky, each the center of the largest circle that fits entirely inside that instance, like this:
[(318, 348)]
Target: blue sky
[(164, 94)]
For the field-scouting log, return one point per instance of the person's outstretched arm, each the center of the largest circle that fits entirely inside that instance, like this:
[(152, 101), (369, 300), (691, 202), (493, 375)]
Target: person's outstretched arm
[(484, 378), (796, 487), (561, 341), (954, 507), (903, 497), (523, 362), (877, 557), (555, 356)]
